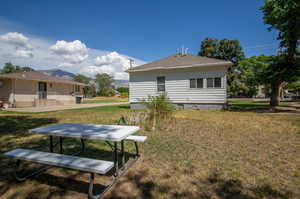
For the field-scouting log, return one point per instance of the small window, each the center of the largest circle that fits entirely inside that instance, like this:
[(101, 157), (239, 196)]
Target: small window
[(200, 83), (196, 83), (217, 83), (192, 83), (77, 88), (214, 82), (161, 84), (210, 82)]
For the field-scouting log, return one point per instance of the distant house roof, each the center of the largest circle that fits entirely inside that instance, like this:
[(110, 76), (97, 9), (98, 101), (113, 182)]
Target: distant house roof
[(180, 61), (38, 76)]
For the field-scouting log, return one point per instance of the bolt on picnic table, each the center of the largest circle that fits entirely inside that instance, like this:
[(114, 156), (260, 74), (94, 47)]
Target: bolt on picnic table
[(108, 133)]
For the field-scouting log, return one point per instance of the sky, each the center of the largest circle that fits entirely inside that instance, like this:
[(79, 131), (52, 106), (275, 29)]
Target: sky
[(90, 37)]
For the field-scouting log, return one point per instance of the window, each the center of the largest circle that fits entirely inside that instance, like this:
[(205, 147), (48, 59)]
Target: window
[(193, 83), (214, 82), (217, 83), (77, 88), (161, 84), (210, 82), (200, 83), (196, 83)]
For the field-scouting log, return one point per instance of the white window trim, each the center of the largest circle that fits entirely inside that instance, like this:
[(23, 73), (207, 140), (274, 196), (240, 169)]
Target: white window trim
[(205, 83), (157, 84)]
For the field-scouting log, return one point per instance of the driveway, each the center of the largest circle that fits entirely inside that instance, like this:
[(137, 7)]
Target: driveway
[(63, 107)]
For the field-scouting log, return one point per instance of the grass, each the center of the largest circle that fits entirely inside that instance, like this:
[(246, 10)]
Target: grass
[(105, 100), (198, 154)]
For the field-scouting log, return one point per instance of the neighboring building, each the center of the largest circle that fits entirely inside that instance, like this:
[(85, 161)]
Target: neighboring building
[(190, 81), (29, 89)]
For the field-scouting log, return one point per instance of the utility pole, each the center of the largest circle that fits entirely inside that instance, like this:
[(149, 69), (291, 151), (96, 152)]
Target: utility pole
[(131, 61)]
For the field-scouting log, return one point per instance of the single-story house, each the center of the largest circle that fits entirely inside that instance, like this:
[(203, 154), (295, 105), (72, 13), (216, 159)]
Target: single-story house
[(190, 82), (30, 89)]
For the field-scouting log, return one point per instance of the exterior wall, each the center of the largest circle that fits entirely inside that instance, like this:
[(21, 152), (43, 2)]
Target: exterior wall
[(187, 106), (177, 86), (61, 92), (24, 93), (5, 90)]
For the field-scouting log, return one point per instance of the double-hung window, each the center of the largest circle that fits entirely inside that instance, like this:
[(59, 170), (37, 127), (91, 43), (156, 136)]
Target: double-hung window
[(161, 83), (214, 82), (196, 83)]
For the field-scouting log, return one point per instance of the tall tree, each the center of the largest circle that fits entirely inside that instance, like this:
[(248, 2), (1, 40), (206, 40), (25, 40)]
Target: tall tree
[(90, 89), (10, 68), (104, 81), (283, 16), (249, 75), (226, 49)]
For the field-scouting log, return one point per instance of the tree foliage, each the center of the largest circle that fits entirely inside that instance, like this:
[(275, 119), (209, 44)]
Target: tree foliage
[(10, 68), (249, 75), (90, 89), (104, 82), (230, 50), (283, 16)]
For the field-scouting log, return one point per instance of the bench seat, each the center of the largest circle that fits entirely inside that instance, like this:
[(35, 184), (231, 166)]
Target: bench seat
[(136, 138), (67, 161)]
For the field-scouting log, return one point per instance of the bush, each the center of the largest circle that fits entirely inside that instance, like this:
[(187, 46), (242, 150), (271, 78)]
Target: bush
[(107, 92), (124, 95), (123, 90), (159, 108)]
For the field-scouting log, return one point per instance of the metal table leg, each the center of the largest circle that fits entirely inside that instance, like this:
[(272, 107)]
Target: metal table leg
[(116, 158), (51, 143)]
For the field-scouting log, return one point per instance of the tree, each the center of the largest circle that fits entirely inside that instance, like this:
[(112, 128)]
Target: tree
[(82, 79), (226, 49), (104, 82), (283, 16), (249, 73), (90, 89), (10, 68)]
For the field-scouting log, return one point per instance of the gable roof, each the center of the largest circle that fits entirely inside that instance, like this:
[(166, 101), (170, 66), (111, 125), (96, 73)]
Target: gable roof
[(38, 76), (180, 61)]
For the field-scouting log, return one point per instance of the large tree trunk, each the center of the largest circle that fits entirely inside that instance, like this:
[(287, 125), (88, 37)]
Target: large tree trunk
[(275, 92)]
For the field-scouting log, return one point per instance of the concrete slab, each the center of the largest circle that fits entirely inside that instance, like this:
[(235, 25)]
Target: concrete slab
[(64, 107)]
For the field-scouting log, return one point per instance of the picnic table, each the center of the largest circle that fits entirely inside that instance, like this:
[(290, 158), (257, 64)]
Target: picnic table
[(116, 134)]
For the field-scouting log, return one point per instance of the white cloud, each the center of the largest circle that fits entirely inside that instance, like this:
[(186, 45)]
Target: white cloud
[(24, 53), (73, 52), (16, 39), (113, 58), (17, 45), (65, 64), (75, 56)]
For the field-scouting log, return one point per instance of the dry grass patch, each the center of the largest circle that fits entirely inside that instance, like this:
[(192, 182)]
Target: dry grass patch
[(198, 154)]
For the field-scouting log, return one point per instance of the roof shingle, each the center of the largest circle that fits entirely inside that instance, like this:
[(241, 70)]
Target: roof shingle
[(180, 61), (38, 76)]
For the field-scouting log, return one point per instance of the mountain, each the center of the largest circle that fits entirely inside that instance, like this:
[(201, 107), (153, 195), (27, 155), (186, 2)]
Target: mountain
[(67, 75), (58, 73), (121, 83)]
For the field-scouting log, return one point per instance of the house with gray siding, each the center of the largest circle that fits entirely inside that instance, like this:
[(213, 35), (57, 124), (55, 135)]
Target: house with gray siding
[(190, 82)]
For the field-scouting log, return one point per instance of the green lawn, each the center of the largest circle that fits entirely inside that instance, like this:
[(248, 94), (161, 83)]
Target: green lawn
[(198, 154), (112, 100)]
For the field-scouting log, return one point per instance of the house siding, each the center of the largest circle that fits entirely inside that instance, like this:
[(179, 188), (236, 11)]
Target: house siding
[(5, 90), (177, 85), (24, 93)]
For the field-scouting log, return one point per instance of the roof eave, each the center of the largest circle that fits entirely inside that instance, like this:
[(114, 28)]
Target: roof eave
[(61, 82), (227, 64)]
